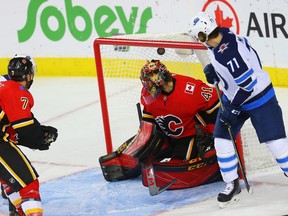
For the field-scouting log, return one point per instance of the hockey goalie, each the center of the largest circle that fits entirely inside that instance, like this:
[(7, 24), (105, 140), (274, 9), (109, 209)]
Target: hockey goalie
[(175, 133)]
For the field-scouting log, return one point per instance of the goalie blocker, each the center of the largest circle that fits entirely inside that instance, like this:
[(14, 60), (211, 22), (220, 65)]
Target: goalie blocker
[(128, 160)]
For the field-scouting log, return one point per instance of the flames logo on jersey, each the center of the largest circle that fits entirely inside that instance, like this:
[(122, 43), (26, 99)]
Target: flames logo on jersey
[(170, 124)]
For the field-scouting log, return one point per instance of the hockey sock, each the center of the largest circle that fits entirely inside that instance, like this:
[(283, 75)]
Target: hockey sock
[(227, 159), (279, 148)]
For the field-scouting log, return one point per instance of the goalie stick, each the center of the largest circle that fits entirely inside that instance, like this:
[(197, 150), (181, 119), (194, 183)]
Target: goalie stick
[(248, 187), (151, 180), (148, 166)]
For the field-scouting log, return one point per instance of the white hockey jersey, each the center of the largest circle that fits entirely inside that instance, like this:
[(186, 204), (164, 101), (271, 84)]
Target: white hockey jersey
[(242, 79)]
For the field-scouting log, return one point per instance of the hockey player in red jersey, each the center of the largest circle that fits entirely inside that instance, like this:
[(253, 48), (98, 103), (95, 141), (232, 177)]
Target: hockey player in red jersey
[(18, 176), (178, 119)]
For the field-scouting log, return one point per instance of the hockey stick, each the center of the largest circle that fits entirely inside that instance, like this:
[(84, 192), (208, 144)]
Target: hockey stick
[(248, 187), (151, 180), (148, 166), (139, 112)]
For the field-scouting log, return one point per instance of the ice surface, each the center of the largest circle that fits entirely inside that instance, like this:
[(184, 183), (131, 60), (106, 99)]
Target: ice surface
[(72, 182)]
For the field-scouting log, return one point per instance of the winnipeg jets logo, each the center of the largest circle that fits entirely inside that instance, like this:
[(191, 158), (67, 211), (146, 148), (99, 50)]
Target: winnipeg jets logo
[(223, 47), (170, 124)]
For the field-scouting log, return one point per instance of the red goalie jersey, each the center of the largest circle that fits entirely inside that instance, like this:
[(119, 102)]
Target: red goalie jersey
[(190, 103), (176, 113)]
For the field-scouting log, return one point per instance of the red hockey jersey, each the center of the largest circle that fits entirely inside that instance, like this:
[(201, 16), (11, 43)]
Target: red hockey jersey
[(175, 112), (16, 103)]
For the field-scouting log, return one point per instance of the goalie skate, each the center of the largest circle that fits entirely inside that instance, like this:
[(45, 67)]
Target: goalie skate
[(230, 194)]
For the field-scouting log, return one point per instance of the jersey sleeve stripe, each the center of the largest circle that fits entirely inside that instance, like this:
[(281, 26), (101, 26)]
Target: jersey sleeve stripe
[(244, 76), (209, 111), (251, 86), (190, 148), (200, 119), (2, 114), (23, 124), (246, 83), (147, 116)]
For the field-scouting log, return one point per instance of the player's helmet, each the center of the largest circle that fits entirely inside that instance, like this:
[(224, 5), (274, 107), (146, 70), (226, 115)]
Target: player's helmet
[(201, 26), (20, 66), (154, 75)]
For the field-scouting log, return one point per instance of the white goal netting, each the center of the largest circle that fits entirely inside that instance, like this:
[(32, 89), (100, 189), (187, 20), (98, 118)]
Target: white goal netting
[(120, 65)]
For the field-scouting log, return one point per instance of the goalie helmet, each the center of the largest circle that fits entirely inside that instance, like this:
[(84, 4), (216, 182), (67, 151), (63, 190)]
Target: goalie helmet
[(154, 75), (20, 66), (201, 26)]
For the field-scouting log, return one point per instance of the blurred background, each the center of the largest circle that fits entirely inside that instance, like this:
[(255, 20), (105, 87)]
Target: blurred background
[(60, 34)]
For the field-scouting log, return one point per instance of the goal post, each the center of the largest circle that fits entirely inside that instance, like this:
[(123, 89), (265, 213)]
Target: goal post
[(119, 60)]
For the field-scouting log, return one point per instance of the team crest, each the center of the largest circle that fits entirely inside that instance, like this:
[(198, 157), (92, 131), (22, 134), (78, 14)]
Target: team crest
[(223, 47), (189, 88)]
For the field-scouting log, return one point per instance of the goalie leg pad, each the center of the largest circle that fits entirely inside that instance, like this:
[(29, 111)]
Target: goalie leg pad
[(187, 173), (124, 162), (147, 141), (119, 167)]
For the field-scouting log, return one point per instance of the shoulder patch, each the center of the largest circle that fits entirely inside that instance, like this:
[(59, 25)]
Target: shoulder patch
[(223, 47), (189, 88)]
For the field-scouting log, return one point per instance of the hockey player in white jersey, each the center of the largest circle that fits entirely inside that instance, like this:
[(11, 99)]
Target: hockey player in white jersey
[(248, 93)]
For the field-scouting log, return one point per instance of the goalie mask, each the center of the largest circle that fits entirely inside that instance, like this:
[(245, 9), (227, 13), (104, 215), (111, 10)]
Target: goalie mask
[(20, 66), (201, 26), (154, 75)]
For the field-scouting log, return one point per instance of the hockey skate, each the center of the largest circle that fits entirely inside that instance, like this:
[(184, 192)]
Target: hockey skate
[(230, 194), (12, 210)]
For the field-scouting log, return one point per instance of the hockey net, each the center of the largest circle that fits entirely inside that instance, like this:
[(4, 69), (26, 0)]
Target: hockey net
[(119, 60)]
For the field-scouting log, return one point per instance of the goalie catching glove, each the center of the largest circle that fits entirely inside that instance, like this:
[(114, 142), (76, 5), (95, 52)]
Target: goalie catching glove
[(205, 145), (50, 135)]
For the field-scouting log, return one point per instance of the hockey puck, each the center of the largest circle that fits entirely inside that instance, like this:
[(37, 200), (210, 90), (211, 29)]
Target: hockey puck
[(160, 51)]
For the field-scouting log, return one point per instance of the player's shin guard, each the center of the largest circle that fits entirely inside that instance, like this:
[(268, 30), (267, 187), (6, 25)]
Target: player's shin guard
[(227, 159), (279, 149), (14, 200), (31, 201), (14, 197)]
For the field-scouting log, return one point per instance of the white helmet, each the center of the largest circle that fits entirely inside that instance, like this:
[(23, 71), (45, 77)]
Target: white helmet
[(202, 22)]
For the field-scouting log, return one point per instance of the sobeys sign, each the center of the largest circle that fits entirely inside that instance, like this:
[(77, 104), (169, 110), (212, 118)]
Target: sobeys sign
[(103, 21)]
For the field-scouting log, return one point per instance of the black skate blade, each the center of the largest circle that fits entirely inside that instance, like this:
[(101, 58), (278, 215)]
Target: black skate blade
[(235, 199)]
